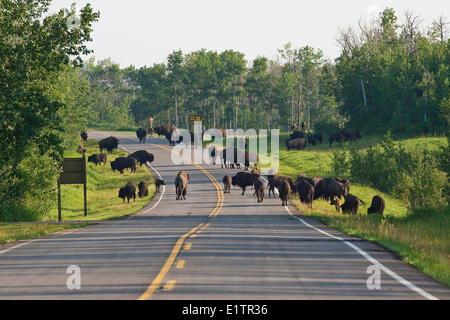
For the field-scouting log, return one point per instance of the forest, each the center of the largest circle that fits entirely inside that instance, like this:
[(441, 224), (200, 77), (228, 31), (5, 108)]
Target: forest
[(391, 74)]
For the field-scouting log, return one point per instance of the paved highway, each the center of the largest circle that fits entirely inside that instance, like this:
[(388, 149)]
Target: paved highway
[(210, 246)]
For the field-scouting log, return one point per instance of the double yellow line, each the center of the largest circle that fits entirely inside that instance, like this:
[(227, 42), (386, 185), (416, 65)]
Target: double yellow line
[(156, 283)]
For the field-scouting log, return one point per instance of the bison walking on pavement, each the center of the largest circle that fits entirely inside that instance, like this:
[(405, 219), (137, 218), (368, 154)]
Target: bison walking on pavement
[(141, 135), (284, 191), (227, 183), (181, 183)]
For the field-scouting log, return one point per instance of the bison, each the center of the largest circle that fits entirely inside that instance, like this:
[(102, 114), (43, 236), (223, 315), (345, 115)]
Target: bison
[(109, 144), (97, 159), (226, 183), (158, 184), (284, 191), (141, 135), (142, 156), (243, 180), (181, 183), (129, 191), (328, 189), (305, 191), (345, 182), (378, 205), (258, 184), (143, 189), (275, 182), (150, 131), (122, 163), (84, 135), (297, 144), (351, 204), (297, 135)]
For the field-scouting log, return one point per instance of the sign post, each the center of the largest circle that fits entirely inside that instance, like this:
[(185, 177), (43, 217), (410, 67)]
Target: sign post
[(73, 172), (151, 122)]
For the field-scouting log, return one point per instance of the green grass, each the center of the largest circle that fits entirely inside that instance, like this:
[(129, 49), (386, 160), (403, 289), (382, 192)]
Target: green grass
[(21, 231), (102, 191), (422, 238), (102, 199)]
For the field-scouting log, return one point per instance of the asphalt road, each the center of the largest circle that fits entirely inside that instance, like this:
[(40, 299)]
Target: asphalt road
[(210, 246)]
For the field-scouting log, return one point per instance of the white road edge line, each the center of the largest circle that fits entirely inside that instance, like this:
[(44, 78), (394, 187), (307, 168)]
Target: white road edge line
[(371, 259), (163, 191)]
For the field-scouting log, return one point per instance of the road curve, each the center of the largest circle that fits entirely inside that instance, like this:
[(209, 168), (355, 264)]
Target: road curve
[(210, 246)]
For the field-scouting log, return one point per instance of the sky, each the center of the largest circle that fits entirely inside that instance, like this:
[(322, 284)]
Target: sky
[(144, 32)]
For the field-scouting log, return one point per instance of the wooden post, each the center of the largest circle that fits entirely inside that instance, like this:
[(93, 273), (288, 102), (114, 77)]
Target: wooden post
[(59, 200), (84, 185)]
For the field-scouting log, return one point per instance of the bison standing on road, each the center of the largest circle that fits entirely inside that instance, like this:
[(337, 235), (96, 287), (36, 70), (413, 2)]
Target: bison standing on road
[(378, 205), (226, 183), (243, 180), (122, 163), (284, 190), (143, 189), (109, 144), (158, 184), (258, 184), (129, 191), (142, 156), (181, 183), (141, 135), (97, 159)]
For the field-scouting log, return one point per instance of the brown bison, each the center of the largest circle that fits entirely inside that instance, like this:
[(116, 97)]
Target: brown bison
[(142, 156), (158, 184), (378, 205), (122, 163), (345, 182), (328, 189), (284, 191), (298, 144), (141, 135), (351, 204), (150, 132), (181, 183), (143, 189), (305, 191), (97, 159), (109, 144), (226, 183), (84, 135), (129, 191), (243, 180), (258, 184)]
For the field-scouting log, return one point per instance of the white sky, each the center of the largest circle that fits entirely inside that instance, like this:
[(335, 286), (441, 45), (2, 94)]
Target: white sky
[(143, 32)]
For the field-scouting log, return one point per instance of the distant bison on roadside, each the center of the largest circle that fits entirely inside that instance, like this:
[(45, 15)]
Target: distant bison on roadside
[(129, 191), (122, 163), (181, 183), (109, 144), (141, 135), (143, 189), (158, 184), (142, 156), (297, 144), (378, 205), (84, 135), (226, 183), (97, 159)]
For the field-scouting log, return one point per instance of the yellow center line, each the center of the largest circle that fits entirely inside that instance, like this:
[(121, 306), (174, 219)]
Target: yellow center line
[(179, 244), (169, 285), (180, 264)]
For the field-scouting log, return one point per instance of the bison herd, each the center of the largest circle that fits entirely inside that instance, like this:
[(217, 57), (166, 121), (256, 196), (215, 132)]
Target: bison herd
[(308, 190), (299, 140)]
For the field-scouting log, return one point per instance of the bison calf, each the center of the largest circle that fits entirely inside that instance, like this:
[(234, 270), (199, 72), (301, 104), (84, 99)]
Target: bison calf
[(158, 184), (97, 159)]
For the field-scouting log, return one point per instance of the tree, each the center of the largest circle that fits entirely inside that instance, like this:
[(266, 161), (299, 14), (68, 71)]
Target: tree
[(33, 47)]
